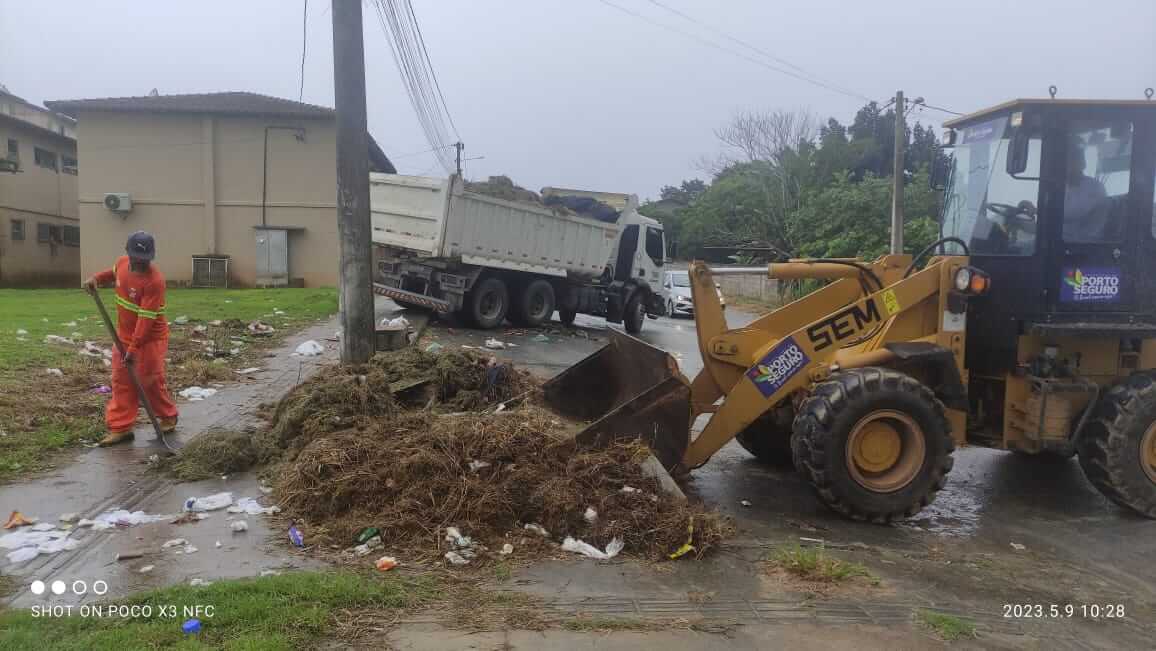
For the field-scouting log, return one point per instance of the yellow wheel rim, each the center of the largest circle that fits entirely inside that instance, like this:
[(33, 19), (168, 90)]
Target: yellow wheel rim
[(885, 451), (1148, 453)]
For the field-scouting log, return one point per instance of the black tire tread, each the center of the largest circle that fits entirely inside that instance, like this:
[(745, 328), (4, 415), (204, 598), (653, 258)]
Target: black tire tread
[(813, 433), (1109, 445)]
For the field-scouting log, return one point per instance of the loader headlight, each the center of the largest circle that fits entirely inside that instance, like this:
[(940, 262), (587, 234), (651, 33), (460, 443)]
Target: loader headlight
[(970, 280), (962, 279)]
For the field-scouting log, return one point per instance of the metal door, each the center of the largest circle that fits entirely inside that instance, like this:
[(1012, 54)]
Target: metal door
[(272, 258)]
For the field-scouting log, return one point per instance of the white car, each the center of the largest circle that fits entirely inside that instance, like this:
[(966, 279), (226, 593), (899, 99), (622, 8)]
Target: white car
[(677, 285)]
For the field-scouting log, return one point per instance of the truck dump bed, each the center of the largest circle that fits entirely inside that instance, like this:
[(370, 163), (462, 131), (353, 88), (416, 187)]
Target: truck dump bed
[(437, 218)]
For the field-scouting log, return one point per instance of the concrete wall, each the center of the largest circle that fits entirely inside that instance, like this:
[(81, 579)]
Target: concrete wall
[(753, 286), (196, 184), (37, 195)]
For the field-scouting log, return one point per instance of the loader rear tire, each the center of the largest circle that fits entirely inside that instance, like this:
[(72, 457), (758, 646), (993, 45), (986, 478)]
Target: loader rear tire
[(875, 444), (487, 303), (1118, 445), (769, 437)]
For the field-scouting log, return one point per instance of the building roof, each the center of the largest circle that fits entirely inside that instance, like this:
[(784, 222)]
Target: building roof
[(1026, 102), (228, 103)]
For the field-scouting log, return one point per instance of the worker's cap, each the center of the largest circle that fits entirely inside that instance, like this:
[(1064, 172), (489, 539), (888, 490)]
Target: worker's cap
[(141, 246)]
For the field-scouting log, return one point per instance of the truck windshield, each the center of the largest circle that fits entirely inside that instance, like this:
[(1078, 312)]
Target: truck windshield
[(993, 212)]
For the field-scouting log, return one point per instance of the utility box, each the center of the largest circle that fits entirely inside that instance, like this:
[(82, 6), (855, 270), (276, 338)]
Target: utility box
[(272, 257), (210, 271)]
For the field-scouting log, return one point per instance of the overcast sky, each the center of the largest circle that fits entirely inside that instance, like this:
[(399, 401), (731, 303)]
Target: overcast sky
[(575, 93)]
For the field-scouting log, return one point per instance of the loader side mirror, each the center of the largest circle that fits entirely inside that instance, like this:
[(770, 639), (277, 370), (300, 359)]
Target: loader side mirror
[(940, 168), (1017, 155)]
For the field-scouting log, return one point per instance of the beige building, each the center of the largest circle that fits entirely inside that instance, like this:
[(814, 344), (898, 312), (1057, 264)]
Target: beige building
[(39, 229), (225, 181)]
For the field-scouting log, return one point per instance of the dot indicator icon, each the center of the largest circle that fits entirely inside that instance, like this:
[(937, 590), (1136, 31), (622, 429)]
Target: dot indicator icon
[(37, 587), (58, 587)]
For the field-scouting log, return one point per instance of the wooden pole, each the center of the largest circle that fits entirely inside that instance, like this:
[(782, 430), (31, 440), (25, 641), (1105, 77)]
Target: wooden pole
[(898, 177)]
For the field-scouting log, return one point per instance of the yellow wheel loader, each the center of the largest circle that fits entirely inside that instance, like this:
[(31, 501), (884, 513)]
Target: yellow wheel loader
[(1029, 327)]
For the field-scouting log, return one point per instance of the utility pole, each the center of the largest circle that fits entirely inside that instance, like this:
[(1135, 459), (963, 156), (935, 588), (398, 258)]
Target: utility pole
[(353, 224), (459, 147), (897, 177)]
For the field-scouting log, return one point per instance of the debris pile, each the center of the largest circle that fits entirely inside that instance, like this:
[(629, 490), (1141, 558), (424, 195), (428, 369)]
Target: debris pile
[(362, 450)]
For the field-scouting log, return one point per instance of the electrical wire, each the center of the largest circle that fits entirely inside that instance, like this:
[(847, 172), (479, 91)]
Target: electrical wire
[(304, 35), (712, 44), (743, 43), (940, 108), (399, 24)]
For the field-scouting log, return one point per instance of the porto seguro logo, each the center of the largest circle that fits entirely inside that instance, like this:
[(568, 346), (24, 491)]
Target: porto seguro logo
[(1092, 286), (773, 371)]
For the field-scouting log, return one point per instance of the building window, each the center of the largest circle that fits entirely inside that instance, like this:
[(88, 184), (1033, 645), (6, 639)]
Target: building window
[(45, 158), (14, 150), (50, 233), (17, 230), (68, 165), (71, 236)]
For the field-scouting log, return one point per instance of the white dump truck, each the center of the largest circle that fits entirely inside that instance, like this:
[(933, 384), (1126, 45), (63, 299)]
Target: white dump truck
[(441, 247)]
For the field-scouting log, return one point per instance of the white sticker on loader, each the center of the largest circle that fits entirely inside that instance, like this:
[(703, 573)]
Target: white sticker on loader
[(953, 322)]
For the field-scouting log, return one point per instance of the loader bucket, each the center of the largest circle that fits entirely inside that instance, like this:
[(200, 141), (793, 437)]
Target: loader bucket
[(627, 390)]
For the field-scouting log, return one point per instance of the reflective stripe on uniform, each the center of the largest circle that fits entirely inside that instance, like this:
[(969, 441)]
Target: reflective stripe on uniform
[(138, 310)]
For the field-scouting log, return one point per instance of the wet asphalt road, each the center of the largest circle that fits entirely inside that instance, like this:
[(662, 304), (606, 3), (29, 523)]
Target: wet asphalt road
[(1078, 547)]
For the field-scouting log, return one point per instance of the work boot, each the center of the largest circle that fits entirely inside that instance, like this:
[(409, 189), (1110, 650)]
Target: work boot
[(169, 425), (112, 438)]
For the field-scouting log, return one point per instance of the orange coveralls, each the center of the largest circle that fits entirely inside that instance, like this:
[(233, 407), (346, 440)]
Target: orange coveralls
[(141, 325)]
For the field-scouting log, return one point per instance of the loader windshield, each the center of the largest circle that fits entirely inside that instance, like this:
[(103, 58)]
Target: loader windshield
[(983, 205)]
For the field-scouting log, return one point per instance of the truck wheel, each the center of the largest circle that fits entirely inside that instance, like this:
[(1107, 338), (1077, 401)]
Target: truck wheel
[(566, 317), (875, 444), (534, 304), (1118, 445), (635, 314), (487, 302), (769, 437)]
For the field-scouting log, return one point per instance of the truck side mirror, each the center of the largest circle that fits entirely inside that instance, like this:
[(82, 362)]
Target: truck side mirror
[(940, 168), (1017, 155)]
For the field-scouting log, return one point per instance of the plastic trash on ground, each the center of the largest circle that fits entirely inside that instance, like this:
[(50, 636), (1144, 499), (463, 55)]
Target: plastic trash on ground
[(590, 515), (195, 394), (628, 490), (175, 542), (57, 339), (248, 371), (456, 558), (386, 563), (69, 324), (22, 555), (55, 372), (69, 517), (295, 536), (210, 503), (476, 465), (17, 519), (494, 344), (260, 328), (145, 569), (309, 349), (120, 518), (396, 323), (250, 506), (189, 549), (538, 529), (453, 535), (543, 339), (507, 549), (198, 582), (20, 332), (239, 526), (433, 347), (588, 550)]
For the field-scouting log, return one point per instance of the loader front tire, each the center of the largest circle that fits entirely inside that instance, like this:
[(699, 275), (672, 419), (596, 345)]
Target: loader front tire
[(875, 444), (1118, 445)]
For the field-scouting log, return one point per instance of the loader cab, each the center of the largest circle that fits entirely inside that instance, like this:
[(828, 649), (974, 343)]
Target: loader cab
[(1055, 201)]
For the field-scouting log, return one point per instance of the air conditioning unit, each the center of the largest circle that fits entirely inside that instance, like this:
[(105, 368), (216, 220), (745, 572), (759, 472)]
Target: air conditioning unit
[(118, 201)]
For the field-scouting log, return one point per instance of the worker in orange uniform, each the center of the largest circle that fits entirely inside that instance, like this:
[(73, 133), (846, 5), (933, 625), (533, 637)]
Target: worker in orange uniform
[(141, 326)]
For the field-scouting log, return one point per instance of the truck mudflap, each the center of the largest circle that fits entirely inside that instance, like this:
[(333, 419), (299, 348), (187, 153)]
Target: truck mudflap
[(413, 298), (627, 390)]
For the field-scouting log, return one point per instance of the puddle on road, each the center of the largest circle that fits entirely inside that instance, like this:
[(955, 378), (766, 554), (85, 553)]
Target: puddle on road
[(955, 513)]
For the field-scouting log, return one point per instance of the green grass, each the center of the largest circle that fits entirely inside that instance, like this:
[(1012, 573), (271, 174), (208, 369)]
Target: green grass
[(40, 414), (815, 564), (289, 611), (589, 624), (947, 627)]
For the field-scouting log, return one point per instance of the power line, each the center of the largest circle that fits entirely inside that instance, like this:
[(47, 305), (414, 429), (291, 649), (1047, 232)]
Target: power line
[(418, 153), (714, 45), (433, 73), (939, 108), (304, 35), (728, 36)]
